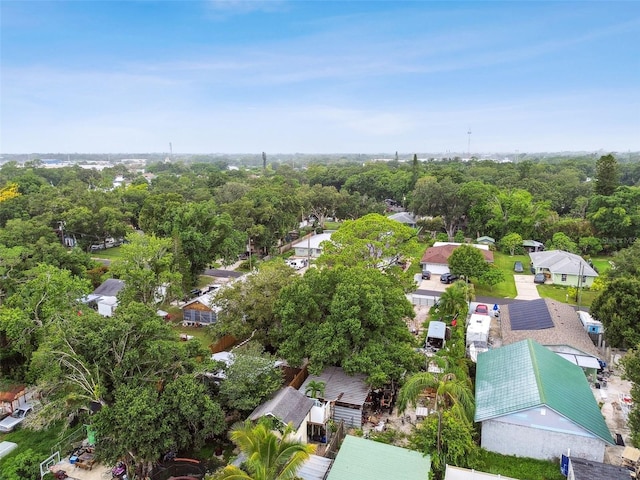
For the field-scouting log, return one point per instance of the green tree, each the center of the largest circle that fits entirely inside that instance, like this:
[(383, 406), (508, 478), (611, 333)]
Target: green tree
[(492, 276), (440, 198), (626, 262), (447, 440), (618, 308), (247, 307), (147, 268), (250, 379), (352, 317), (607, 175), (590, 245), (631, 365), (315, 389), (23, 466), (269, 455), (467, 261), (515, 211), (561, 241), (510, 243), (454, 301), (320, 201), (372, 241)]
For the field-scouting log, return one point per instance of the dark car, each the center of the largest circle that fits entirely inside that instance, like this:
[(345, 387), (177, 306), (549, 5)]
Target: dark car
[(539, 278), (426, 275), (517, 267), (448, 278)]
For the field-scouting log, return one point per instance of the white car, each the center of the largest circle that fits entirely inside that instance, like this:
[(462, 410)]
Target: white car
[(16, 418)]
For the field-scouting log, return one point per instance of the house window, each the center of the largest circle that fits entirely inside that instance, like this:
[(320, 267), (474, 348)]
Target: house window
[(564, 277)]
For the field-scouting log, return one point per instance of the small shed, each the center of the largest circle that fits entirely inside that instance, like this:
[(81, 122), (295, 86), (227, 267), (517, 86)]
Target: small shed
[(436, 335), (590, 324), (290, 406), (200, 311)]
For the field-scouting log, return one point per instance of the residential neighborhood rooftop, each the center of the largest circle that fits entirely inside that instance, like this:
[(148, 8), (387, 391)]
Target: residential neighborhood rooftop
[(559, 261), (441, 251), (338, 386), (288, 405), (525, 375), (362, 459), (566, 329), (109, 288)]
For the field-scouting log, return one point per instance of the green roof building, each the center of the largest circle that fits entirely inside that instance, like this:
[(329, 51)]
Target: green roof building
[(362, 459), (534, 403)]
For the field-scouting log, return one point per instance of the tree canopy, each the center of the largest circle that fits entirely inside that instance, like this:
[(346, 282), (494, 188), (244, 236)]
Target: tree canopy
[(351, 317)]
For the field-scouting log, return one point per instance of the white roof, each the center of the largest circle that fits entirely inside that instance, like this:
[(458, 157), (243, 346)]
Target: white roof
[(315, 468), (476, 245), (559, 261), (314, 241), (457, 473), (478, 328)]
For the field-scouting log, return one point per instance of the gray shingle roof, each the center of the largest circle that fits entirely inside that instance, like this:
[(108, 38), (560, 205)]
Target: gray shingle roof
[(588, 470), (339, 386), (288, 404), (567, 329), (559, 261), (109, 288)]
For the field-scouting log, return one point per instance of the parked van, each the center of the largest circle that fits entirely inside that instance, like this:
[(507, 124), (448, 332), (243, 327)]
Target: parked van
[(297, 263)]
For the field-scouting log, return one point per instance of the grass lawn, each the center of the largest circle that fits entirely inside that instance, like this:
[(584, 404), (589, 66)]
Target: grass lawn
[(559, 293), (199, 333), (506, 289), (40, 442), (602, 264), (521, 468), (114, 253)]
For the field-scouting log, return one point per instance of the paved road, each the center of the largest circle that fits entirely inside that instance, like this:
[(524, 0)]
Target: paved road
[(217, 272)]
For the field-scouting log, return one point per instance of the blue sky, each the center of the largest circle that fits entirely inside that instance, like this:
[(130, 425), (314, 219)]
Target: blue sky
[(319, 76)]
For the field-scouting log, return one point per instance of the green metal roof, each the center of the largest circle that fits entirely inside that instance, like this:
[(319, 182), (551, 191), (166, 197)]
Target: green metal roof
[(361, 459), (525, 375)]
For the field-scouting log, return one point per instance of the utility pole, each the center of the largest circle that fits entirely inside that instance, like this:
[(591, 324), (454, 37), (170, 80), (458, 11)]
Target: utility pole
[(469, 143)]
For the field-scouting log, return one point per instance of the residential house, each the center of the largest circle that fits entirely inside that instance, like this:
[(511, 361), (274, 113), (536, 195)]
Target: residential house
[(533, 403), (13, 397), (581, 469), (291, 406), (436, 259), (532, 246), (310, 247), (552, 324), (363, 459), (457, 473), (486, 240), (200, 311), (409, 219), (563, 268), (346, 394), (104, 298)]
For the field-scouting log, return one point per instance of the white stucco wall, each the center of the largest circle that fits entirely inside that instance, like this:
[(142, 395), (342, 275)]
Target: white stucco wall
[(524, 441)]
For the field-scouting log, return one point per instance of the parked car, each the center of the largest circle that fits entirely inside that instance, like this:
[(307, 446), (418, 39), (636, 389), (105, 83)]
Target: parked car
[(16, 418), (517, 267), (482, 309), (426, 275), (539, 278), (448, 278)]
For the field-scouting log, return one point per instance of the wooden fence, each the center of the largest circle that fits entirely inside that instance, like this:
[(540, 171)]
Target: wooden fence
[(223, 344)]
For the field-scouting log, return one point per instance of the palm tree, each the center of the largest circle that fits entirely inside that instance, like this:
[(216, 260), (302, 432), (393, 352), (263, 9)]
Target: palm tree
[(270, 455), (314, 389), (453, 300), (452, 392)]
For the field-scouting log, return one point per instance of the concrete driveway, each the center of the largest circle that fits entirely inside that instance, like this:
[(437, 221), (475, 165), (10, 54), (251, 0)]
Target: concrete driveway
[(525, 287)]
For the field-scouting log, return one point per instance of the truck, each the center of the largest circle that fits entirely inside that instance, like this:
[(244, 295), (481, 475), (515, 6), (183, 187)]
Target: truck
[(16, 418)]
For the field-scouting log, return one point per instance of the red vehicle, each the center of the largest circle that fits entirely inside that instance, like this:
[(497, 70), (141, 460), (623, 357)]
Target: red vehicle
[(482, 309)]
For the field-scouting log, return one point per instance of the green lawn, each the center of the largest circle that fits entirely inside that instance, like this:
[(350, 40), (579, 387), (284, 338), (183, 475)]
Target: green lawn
[(40, 442), (114, 253), (602, 264), (521, 468), (506, 289), (199, 333), (560, 293)]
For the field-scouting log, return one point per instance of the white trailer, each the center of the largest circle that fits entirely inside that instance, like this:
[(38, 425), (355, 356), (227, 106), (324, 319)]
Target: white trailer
[(478, 329)]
